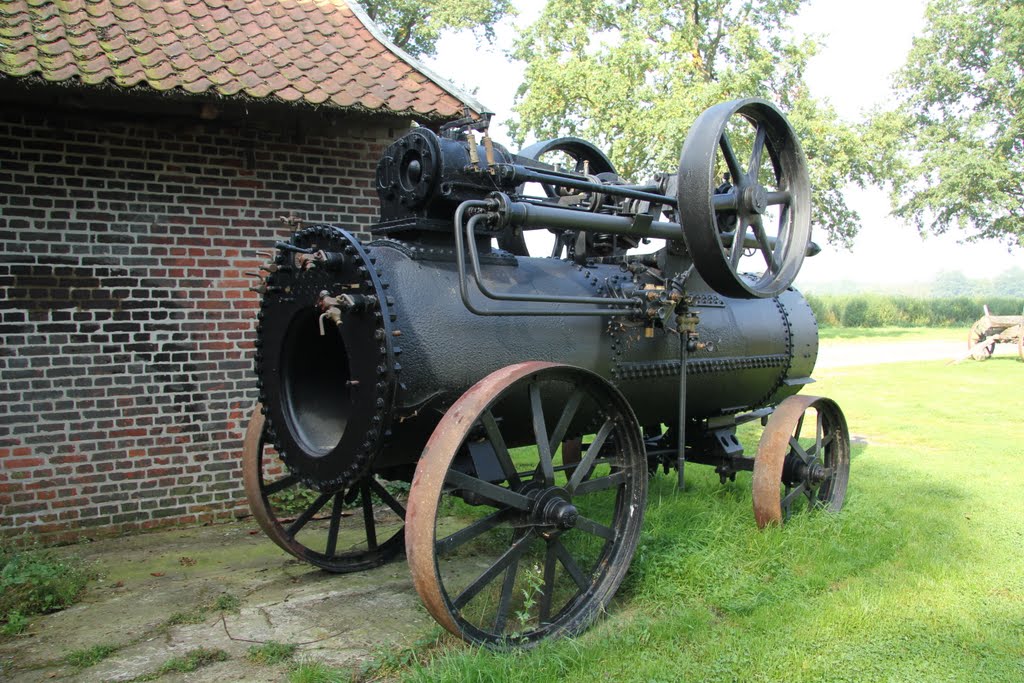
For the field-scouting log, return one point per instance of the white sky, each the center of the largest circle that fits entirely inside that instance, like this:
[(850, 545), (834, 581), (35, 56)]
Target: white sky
[(865, 41)]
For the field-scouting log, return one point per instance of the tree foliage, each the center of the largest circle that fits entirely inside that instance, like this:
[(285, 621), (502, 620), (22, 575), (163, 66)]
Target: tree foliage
[(416, 25), (954, 147), (633, 75)]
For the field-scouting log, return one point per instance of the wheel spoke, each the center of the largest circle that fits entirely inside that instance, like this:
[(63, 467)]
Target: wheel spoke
[(792, 493), (600, 484), (308, 513), (500, 449), (738, 239), (730, 158), (506, 596), (480, 526), (595, 528), (583, 469), (809, 493), (570, 565), (755, 155), (568, 413), (799, 450), (368, 521), (386, 496), (819, 429), (332, 533), (762, 240), (548, 592), (508, 557), (540, 433), (280, 485), (799, 426), (492, 492)]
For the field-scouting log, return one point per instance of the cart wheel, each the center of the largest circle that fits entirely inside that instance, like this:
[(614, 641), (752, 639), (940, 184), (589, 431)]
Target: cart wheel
[(508, 546), (979, 331), (793, 470), (329, 542)]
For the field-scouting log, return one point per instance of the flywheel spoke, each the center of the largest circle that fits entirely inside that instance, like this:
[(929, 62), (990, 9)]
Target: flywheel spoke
[(731, 159), (755, 155)]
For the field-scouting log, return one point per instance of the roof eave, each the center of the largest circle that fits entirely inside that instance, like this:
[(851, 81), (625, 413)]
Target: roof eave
[(442, 83)]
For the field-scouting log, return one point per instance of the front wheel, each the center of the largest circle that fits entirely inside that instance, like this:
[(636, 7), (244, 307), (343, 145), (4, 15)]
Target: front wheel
[(508, 546)]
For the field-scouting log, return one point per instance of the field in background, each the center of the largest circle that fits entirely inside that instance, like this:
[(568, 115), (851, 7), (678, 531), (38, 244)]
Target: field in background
[(918, 579), (880, 310)]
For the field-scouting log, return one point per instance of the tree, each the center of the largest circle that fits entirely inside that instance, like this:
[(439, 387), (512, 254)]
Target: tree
[(954, 147), (416, 25), (633, 75), (951, 283)]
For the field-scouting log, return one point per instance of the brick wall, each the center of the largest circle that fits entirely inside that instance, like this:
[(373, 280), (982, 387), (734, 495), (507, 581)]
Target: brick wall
[(125, 320)]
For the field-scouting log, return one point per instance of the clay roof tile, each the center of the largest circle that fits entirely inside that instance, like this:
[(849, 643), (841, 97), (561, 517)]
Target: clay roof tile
[(319, 51)]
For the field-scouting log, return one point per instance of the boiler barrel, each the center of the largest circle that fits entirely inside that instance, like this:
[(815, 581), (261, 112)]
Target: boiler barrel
[(755, 351)]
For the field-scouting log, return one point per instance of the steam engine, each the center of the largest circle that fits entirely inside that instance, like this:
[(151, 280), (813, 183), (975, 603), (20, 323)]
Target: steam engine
[(424, 356)]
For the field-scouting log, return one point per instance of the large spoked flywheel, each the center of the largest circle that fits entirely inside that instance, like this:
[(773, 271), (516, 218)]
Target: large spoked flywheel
[(744, 199), (510, 545)]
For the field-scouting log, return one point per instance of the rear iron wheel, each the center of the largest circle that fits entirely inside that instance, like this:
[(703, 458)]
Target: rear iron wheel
[(313, 525), (508, 546), (799, 467)]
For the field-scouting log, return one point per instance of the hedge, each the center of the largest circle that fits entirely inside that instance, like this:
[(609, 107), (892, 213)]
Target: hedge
[(879, 310)]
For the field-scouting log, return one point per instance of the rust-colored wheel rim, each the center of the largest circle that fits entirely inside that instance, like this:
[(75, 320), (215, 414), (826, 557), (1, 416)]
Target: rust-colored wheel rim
[(798, 467), (510, 541), (314, 528)]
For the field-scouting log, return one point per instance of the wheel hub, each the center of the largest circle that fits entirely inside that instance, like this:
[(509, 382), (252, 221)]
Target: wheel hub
[(553, 507), (755, 199), (795, 471)]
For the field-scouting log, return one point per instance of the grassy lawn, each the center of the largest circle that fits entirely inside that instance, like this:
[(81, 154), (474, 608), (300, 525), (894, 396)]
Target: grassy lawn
[(920, 578), (874, 335)]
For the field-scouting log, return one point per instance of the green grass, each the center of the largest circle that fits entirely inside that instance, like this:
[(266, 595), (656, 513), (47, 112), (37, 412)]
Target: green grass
[(90, 656), (226, 602), (317, 672), (36, 582), (271, 653), (919, 578)]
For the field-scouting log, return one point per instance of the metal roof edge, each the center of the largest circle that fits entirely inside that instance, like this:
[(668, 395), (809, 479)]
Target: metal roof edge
[(442, 83)]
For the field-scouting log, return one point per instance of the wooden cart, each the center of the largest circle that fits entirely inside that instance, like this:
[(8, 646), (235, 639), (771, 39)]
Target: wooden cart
[(990, 330)]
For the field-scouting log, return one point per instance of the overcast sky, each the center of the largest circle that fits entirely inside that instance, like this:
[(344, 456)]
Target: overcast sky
[(865, 41)]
